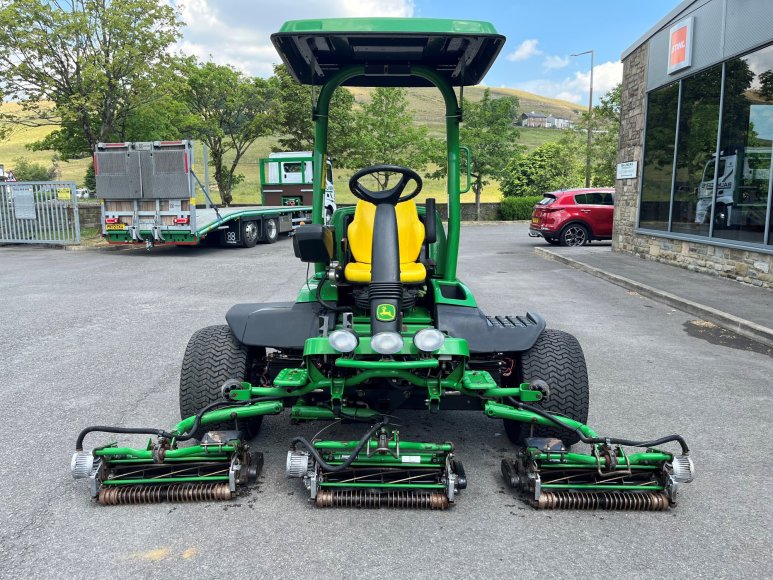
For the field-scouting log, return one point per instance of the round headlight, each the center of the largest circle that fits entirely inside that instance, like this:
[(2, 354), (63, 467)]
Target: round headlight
[(429, 339), (343, 340), (387, 342)]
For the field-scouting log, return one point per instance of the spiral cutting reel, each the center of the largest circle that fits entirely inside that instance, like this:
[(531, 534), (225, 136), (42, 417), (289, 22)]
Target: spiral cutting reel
[(380, 470)]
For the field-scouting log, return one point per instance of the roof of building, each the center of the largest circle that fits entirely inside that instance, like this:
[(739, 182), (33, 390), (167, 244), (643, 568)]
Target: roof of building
[(536, 115)]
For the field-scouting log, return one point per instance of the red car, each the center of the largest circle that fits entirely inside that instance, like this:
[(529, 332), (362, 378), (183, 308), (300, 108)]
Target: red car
[(574, 217)]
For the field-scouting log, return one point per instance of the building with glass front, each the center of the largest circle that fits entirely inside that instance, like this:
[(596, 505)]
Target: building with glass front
[(696, 137)]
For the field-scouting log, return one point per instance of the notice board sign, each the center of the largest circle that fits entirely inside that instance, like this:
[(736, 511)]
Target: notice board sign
[(627, 170), (24, 202)]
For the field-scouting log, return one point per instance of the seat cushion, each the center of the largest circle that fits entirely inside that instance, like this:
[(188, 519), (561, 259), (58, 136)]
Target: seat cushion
[(410, 272), (410, 232)]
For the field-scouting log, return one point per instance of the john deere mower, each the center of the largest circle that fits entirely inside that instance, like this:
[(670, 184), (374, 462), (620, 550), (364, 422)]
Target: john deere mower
[(383, 325)]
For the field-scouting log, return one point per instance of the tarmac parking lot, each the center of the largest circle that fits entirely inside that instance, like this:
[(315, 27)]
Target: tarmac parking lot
[(97, 337)]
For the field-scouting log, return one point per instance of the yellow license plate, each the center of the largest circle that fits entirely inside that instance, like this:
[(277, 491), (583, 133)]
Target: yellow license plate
[(535, 220), (115, 226)]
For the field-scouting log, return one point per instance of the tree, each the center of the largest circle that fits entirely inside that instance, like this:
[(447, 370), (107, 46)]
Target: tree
[(228, 111), (605, 126), (384, 132), (489, 131), (549, 167), (85, 66), (294, 121)]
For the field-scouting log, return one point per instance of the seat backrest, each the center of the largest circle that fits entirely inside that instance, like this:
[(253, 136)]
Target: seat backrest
[(410, 231)]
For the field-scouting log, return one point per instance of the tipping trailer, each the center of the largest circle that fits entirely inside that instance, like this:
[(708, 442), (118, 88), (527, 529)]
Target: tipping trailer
[(148, 196)]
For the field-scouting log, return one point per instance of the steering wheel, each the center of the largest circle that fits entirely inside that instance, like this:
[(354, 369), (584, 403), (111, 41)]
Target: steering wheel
[(390, 196)]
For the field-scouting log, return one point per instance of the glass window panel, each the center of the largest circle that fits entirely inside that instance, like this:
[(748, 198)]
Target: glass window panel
[(741, 202), (581, 199), (695, 152), (658, 162)]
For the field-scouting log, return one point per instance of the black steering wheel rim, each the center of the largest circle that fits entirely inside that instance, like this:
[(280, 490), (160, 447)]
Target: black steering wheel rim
[(390, 196)]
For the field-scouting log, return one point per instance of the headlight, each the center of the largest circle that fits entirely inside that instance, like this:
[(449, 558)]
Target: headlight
[(343, 340), (429, 339), (387, 342)]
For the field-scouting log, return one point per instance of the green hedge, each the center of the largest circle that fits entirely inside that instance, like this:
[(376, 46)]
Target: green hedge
[(518, 208)]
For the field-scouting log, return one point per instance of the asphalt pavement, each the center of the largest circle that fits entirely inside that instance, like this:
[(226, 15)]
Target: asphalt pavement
[(97, 338)]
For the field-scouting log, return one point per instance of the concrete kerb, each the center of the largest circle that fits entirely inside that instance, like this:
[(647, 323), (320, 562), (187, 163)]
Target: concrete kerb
[(740, 326)]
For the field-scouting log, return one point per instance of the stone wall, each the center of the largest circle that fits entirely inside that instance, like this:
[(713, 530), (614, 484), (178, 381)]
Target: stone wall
[(742, 265), (632, 102), (89, 215)]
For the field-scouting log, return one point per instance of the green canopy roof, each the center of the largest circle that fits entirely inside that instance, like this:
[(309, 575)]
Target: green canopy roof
[(460, 51)]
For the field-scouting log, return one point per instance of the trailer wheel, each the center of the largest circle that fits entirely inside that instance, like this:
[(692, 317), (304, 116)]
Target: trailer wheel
[(557, 359), (270, 231), (213, 356), (249, 234)]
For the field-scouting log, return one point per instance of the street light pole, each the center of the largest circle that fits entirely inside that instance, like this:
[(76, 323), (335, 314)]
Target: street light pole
[(590, 116)]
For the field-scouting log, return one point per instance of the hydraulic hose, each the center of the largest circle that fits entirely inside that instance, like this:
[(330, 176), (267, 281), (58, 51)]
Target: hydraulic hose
[(593, 440), (327, 305), (189, 434), (352, 456)]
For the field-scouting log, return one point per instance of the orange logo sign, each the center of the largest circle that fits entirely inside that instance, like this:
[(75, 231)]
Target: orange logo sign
[(678, 46)]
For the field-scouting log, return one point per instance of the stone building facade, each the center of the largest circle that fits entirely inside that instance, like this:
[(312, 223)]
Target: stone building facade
[(666, 212)]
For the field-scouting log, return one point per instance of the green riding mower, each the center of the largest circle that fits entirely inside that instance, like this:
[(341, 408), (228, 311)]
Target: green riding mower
[(383, 325)]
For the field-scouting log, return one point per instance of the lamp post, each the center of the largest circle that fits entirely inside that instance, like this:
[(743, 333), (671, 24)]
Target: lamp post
[(590, 116)]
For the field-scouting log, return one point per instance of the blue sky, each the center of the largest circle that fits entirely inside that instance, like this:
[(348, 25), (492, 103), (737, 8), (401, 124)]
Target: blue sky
[(540, 34)]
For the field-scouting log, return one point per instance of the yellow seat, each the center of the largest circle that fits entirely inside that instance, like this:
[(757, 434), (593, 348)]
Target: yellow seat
[(410, 232)]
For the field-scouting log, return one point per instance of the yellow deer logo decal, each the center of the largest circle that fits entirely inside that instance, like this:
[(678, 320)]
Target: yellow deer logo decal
[(385, 312)]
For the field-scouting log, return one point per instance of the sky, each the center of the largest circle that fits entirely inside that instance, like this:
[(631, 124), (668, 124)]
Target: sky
[(541, 35)]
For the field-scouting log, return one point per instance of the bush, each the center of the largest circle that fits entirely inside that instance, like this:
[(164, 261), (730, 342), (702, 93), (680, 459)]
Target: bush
[(25, 170), (518, 208)]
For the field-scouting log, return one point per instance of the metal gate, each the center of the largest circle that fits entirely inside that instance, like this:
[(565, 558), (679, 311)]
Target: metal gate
[(39, 212)]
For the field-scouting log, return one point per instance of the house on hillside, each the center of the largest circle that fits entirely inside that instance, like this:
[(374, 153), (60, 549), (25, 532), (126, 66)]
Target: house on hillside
[(533, 119), (558, 123)]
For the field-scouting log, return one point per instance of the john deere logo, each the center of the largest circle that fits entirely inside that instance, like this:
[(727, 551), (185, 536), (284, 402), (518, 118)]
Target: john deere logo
[(385, 312)]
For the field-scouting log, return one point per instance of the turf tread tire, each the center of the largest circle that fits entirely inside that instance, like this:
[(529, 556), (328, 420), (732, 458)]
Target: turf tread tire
[(556, 358), (213, 356)]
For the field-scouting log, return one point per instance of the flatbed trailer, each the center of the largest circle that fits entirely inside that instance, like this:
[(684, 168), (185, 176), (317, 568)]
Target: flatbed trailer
[(147, 192)]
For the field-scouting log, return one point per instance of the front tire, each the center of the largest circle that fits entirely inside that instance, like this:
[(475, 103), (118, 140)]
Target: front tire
[(212, 357), (249, 234), (557, 359), (574, 235), (720, 216)]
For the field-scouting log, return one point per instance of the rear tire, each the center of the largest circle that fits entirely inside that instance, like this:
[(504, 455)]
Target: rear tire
[(557, 359), (270, 231), (213, 356), (574, 235)]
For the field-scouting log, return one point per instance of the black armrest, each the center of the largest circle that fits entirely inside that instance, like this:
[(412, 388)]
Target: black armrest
[(430, 224)]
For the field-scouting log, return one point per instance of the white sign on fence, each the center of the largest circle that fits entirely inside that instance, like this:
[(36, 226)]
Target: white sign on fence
[(627, 170), (24, 202)]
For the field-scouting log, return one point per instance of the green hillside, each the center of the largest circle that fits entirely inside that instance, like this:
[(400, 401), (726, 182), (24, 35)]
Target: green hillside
[(426, 105)]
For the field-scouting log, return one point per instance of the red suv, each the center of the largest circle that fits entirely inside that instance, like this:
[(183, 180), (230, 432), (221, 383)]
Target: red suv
[(574, 217)]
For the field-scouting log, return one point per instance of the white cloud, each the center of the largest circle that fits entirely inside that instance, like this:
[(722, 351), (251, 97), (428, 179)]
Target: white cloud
[(236, 32), (575, 88), (555, 62), (526, 49)]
